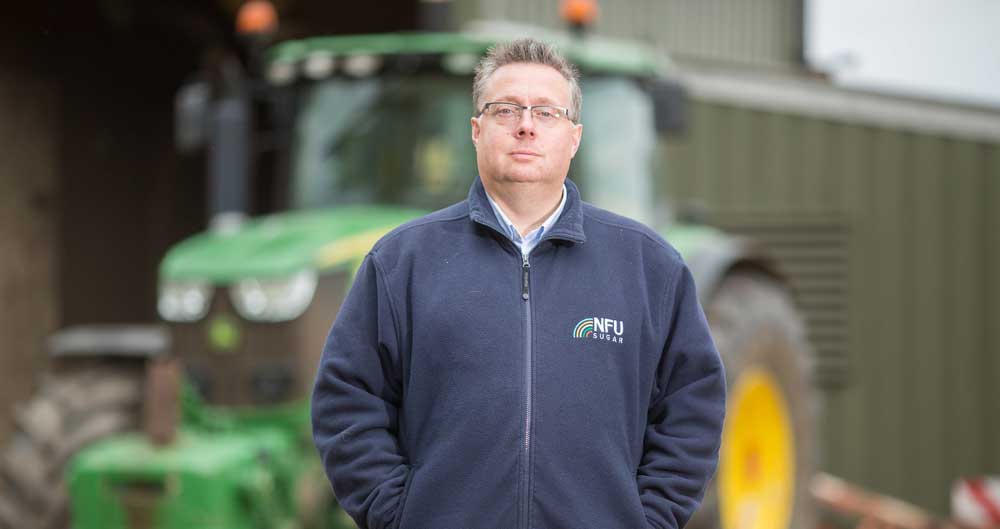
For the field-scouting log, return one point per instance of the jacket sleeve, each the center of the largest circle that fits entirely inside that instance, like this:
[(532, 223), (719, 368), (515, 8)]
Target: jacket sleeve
[(356, 401), (684, 422)]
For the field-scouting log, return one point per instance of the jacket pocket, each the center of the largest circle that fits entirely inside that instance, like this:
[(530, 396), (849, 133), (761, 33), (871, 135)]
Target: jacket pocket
[(397, 523)]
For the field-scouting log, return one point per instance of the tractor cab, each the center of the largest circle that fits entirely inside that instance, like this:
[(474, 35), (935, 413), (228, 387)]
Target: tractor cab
[(377, 132)]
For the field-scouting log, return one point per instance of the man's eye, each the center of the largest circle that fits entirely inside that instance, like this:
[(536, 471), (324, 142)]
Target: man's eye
[(504, 111), (546, 114)]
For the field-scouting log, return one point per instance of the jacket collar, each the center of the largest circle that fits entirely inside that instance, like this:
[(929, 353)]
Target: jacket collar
[(569, 225)]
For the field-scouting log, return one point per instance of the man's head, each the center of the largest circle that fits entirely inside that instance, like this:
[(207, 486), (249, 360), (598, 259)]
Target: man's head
[(514, 145)]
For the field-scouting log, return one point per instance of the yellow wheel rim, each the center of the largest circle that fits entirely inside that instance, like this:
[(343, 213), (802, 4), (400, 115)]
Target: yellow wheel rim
[(756, 479)]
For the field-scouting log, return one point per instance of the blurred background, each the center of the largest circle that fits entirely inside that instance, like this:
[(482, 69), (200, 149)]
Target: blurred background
[(857, 142)]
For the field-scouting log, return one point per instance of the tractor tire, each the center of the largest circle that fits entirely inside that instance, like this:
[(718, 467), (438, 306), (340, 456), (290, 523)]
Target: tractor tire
[(70, 410), (756, 329)]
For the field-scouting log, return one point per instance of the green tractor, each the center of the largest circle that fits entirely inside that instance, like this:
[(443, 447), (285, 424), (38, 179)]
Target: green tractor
[(202, 422)]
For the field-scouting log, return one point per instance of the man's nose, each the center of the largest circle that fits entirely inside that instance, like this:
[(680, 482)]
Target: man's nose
[(525, 125)]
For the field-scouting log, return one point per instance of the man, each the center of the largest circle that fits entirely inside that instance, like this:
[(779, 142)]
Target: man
[(520, 359)]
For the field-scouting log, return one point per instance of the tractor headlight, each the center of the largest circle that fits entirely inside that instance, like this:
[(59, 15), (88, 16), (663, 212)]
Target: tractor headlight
[(274, 299), (184, 300)]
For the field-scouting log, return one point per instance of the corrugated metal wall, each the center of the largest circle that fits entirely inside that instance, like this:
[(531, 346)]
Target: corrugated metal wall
[(893, 241), (759, 33)]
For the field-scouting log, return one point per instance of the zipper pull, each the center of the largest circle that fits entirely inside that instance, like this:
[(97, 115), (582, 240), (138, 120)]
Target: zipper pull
[(524, 277)]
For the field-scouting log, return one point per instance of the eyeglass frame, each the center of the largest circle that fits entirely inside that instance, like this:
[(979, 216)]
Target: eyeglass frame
[(565, 110)]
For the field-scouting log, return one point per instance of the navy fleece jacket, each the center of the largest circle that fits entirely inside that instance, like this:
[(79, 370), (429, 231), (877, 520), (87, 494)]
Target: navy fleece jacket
[(462, 387)]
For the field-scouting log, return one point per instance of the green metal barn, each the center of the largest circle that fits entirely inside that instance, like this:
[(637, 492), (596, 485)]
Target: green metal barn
[(883, 213)]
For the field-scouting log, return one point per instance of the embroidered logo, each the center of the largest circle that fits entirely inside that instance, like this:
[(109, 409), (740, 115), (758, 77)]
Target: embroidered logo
[(596, 328)]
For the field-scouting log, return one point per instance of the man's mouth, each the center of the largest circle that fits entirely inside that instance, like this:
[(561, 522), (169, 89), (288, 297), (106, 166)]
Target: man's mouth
[(524, 155)]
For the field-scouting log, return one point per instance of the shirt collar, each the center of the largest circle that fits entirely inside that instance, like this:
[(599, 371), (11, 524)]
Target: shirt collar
[(567, 226), (531, 238)]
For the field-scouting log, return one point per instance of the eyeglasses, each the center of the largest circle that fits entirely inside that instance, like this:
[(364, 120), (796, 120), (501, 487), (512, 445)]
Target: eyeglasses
[(510, 113)]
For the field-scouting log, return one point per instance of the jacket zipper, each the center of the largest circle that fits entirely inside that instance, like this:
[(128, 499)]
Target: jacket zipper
[(526, 297)]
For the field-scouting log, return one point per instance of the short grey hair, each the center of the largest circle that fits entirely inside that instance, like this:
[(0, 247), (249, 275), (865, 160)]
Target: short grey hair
[(527, 50)]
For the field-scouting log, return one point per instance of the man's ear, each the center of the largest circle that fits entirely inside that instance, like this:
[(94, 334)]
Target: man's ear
[(475, 132), (577, 136)]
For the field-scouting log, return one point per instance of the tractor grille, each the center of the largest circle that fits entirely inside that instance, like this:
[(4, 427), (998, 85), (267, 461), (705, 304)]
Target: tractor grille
[(257, 363)]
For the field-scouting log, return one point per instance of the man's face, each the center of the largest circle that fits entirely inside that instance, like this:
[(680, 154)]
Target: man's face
[(525, 151)]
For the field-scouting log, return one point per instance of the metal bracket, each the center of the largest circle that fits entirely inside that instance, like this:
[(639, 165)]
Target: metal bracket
[(129, 340)]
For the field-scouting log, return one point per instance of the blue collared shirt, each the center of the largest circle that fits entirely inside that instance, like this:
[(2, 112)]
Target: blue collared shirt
[(531, 239)]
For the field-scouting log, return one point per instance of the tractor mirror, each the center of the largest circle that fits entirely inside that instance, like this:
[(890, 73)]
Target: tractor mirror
[(670, 107), (191, 115)]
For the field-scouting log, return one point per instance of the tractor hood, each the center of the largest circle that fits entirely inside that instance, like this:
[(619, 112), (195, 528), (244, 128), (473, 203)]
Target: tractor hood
[(282, 244)]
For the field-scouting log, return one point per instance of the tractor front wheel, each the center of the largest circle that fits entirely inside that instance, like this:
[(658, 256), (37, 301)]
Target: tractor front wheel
[(71, 409)]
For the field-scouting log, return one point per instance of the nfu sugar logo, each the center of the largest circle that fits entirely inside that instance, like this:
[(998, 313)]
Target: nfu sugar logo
[(596, 328)]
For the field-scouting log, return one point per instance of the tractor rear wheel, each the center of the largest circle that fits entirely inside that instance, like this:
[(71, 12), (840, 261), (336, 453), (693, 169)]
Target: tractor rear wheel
[(769, 446), (70, 410)]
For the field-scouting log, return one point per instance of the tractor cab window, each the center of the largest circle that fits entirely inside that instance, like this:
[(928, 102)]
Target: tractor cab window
[(406, 141), (386, 140)]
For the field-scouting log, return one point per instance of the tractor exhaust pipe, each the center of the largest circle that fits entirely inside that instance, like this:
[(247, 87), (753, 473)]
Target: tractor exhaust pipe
[(229, 170)]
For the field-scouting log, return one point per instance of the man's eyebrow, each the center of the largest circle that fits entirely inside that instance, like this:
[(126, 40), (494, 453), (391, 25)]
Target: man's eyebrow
[(546, 101), (508, 99), (515, 99)]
